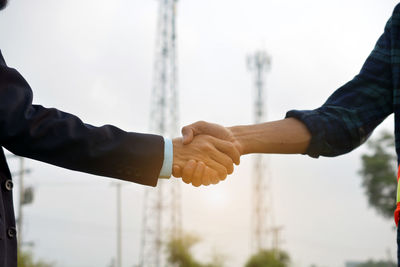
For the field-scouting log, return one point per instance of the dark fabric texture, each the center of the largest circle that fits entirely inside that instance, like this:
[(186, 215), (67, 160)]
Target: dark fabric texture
[(398, 246), (55, 137), (352, 112)]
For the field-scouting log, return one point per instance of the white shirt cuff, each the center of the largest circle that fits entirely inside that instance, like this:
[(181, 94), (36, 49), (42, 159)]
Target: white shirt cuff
[(166, 169)]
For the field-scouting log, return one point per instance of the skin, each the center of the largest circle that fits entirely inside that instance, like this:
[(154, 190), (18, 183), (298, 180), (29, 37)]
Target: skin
[(288, 136), (208, 159)]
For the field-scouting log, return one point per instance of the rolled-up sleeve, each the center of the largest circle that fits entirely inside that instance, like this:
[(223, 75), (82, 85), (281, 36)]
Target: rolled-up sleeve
[(352, 112)]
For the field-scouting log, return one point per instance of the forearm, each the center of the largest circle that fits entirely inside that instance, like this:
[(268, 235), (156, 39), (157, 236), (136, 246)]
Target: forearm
[(62, 139), (288, 136)]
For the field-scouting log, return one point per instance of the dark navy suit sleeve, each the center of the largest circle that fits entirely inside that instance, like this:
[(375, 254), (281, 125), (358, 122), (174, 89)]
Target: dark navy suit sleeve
[(62, 139)]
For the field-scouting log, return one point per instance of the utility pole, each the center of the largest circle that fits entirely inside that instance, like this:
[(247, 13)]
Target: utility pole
[(25, 198), (389, 255), (162, 205), (276, 240), (118, 261), (26, 195), (119, 226), (21, 201), (259, 63)]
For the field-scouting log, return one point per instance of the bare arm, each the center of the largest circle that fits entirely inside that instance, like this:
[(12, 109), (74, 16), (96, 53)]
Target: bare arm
[(288, 136)]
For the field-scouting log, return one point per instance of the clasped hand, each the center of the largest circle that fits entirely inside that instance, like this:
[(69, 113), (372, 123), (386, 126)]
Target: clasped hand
[(206, 154)]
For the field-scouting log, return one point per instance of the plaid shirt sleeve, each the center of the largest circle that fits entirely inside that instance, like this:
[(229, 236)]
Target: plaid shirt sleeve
[(352, 112)]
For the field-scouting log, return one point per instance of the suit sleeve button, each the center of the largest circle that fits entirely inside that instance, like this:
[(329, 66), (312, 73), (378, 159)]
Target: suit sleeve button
[(9, 185), (12, 232)]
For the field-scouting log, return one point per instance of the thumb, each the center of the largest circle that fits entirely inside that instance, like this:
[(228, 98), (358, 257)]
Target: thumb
[(187, 133)]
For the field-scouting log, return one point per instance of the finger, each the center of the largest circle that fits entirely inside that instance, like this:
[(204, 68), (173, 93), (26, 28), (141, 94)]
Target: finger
[(213, 177), (222, 159), (176, 171), (198, 173), (216, 130), (229, 149), (207, 175), (223, 178), (188, 170), (187, 133), (219, 169), (202, 127)]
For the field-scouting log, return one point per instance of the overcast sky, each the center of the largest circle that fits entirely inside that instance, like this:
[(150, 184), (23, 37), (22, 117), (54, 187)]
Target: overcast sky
[(94, 58)]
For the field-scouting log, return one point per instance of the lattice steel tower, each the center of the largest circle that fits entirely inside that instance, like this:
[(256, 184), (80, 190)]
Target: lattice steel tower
[(161, 208), (259, 63)]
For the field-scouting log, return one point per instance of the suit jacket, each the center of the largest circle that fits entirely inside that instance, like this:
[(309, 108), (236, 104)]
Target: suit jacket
[(62, 139)]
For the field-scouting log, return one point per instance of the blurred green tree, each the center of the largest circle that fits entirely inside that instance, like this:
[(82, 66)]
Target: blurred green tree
[(269, 258), (379, 174), (25, 259), (179, 253), (372, 263)]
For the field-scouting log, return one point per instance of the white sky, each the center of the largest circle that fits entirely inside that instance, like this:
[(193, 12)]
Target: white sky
[(94, 58)]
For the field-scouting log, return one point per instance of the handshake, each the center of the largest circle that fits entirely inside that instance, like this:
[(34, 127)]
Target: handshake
[(206, 153)]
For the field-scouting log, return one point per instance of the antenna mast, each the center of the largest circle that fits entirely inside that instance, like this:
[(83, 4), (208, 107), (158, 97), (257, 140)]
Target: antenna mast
[(259, 63), (162, 210)]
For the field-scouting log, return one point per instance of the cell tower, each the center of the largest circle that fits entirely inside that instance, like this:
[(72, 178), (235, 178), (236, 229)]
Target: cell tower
[(259, 63), (162, 210)]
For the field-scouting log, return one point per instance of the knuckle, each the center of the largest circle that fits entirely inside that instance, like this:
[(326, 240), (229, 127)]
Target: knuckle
[(206, 146), (230, 146), (232, 149), (184, 129), (201, 123)]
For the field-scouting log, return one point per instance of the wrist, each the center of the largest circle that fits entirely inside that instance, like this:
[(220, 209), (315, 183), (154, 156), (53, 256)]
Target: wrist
[(166, 168), (176, 144), (239, 135)]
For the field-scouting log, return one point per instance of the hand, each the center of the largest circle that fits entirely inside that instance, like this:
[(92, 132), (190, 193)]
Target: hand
[(198, 128), (207, 158), (216, 130)]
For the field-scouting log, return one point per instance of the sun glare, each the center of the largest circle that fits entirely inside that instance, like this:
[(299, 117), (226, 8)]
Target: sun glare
[(217, 197)]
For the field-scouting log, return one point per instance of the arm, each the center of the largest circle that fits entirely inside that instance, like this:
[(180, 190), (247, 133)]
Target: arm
[(62, 139), (284, 136), (288, 136), (341, 124)]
